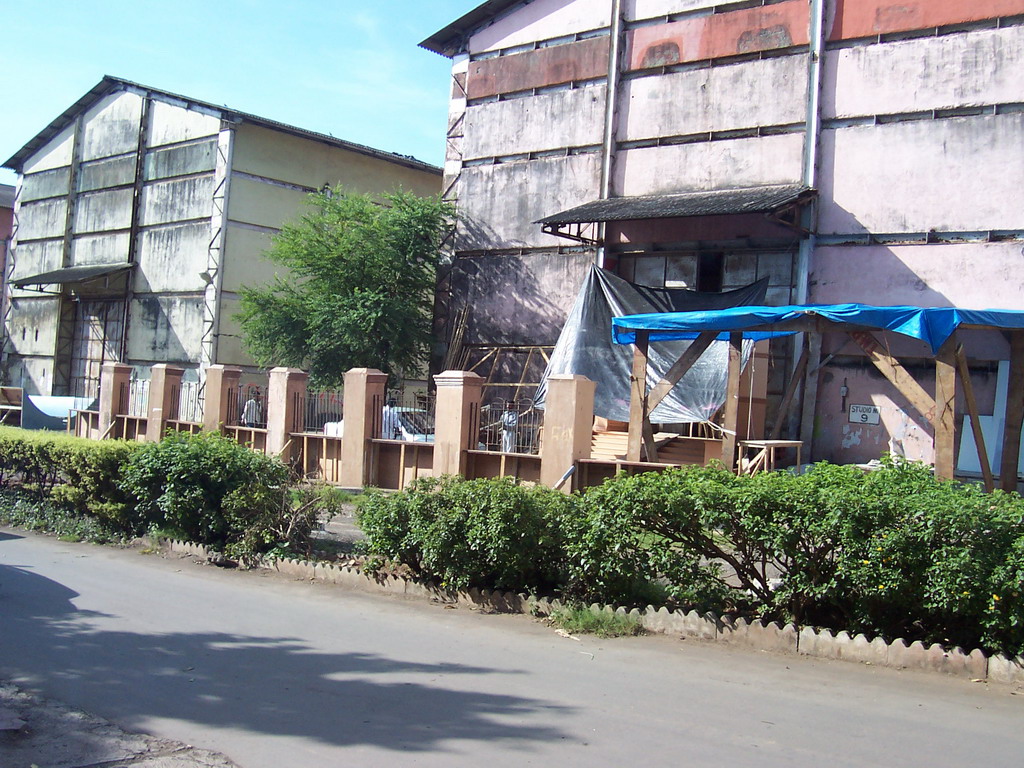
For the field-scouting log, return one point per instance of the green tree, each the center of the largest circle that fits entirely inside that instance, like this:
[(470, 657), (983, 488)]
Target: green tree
[(358, 286)]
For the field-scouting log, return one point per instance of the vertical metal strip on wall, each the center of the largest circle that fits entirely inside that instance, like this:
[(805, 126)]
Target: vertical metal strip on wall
[(611, 117), (133, 236), (215, 251)]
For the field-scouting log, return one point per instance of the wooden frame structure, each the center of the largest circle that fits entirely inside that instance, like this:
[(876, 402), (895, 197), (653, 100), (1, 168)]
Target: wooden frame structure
[(950, 366)]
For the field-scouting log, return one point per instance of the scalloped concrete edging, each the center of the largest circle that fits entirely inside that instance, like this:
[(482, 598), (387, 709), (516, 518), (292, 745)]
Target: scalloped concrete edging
[(770, 636)]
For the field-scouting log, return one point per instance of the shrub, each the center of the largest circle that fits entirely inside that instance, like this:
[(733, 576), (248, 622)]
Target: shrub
[(82, 474), (477, 533), (37, 514), (209, 489)]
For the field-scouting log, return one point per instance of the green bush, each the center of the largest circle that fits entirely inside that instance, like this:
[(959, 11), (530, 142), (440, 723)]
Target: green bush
[(37, 514), (209, 489), (477, 533), (82, 474)]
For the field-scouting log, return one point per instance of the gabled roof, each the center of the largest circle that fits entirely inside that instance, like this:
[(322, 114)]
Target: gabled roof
[(111, 84), (449, 41)]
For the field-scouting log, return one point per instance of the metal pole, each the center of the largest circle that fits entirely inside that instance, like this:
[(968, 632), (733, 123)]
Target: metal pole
[(611, 112)]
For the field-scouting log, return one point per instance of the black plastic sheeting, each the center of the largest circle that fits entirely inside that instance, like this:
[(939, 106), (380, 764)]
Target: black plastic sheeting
[(585, 347)]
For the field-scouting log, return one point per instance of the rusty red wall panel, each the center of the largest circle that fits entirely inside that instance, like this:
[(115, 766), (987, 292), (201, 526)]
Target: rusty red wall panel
[(723, 34), (866, 18), (583, 60)]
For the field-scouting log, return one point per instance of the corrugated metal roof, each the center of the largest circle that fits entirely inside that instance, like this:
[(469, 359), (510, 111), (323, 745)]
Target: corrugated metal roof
[(712, 203), (111, 84), (449, 40), (72, 275)]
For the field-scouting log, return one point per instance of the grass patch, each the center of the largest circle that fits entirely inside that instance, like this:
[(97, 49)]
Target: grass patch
[(579, 620)]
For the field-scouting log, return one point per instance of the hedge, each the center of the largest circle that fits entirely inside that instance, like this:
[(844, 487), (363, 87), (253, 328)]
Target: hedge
[(894, 553)]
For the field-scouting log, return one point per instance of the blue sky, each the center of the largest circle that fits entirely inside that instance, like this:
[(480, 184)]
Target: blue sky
[(351, 69)]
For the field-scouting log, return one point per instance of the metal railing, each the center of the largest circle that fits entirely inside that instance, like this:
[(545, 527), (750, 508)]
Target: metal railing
[(511, 426), (320, 412), (247, 406), (187, 401)]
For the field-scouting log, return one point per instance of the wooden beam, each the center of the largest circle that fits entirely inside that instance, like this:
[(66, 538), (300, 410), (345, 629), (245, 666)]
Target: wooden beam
[(685, 362), (897, 375), (809, 404), (730, 417), (945, 409), (650, 447), (972, 412), (637, 396), (790, 394), (1014, 414)]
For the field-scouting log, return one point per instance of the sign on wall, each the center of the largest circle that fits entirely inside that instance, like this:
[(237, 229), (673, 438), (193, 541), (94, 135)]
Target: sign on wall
[(865, 414)]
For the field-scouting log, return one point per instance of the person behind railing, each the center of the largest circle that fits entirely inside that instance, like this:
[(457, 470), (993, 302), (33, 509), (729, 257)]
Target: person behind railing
[(251, 413), (509, 430), (390, 425)]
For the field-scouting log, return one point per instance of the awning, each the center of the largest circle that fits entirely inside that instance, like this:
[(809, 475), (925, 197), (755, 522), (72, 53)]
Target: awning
[(69, 275), (719, 202), (933, 325)]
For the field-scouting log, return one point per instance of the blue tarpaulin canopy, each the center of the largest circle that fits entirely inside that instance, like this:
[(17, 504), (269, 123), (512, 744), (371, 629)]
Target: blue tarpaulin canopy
[(932, 325)]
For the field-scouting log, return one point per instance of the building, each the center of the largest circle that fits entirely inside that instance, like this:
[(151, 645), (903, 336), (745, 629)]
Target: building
[(141, 213), (848, 150)]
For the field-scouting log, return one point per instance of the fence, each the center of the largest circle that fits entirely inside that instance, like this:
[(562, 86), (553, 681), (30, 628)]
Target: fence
[(367, 435)]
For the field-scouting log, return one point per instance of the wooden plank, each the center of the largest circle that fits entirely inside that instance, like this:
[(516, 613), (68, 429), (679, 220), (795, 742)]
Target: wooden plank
[(945, 409), (972, 412), (1014, 414), (637, 397), (650, 446), (730, 417), (679, 368), (897, 375), (789, 395)]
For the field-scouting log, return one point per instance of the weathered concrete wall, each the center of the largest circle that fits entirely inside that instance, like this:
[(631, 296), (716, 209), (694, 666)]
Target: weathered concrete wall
[(499, 203), (972, 68), (921, 275), (867, 18), (743, 31), (542, 20), (171, 124), (261, 203), (170, 258), (243, 262), (165, 328), (901, 177), (557, 65), (56, 153), (704, 100), (524, 125), (309, 163), (111, 126), (536, 289), (709, 165)]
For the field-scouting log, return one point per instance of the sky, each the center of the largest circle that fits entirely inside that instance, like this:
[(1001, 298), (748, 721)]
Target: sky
[(350, 69)]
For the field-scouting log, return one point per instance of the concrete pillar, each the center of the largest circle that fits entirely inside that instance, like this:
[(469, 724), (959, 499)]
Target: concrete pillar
[(364, 399), (164, 391), (221, 382), (568, 426), (456, 421), (114, 381), (285, 395)]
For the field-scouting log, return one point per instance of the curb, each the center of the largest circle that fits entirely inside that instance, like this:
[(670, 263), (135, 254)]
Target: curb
[(757, 635)]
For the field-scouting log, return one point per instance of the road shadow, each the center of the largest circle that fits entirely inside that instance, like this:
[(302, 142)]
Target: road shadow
[(262, 684)]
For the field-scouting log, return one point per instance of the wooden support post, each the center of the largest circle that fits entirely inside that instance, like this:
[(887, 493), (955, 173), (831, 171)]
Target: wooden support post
[(945, 409), (685, 362), (897, 375), (809, 404), (637, 397), (1014, 414), (731, 411), (972, 412), (790, 393)]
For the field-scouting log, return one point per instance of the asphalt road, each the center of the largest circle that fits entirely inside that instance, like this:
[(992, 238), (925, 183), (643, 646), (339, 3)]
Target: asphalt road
[(279, 673)]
